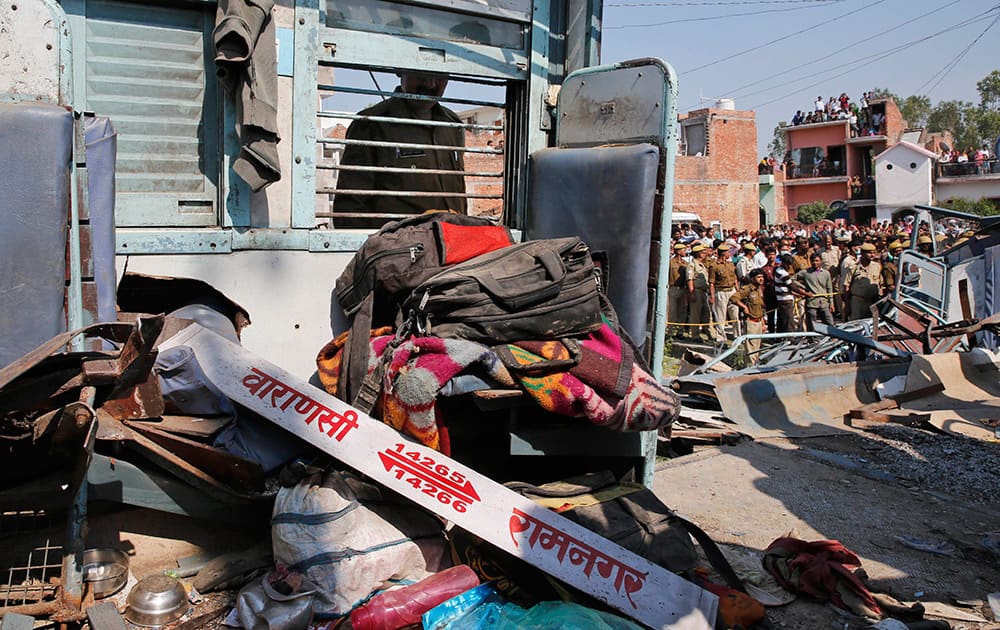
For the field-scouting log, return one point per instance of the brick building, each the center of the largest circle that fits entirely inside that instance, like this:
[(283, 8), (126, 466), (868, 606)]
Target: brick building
[(823, 158), (716, 173)]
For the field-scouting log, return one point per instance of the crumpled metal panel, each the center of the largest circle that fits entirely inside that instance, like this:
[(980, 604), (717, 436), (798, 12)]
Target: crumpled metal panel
[(796, 402)]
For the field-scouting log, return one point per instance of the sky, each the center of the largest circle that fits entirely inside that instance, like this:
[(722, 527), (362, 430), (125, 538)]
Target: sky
[(731, 49)]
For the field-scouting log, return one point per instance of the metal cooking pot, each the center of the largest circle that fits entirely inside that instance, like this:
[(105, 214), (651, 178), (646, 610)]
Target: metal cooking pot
[(156, 600), (105, 570)]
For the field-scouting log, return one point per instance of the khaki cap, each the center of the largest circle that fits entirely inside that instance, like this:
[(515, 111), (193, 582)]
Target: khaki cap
[(750, 247), (700, 247), (924, 240), (679, 247), (867, 247), (896, 245), (723, 248)]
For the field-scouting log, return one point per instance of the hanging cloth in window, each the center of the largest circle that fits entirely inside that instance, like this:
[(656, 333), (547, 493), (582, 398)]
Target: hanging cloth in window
[(247, 62)]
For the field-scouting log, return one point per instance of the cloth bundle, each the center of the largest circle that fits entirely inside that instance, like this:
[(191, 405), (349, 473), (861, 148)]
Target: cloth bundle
[(821, 569), (594, 377)]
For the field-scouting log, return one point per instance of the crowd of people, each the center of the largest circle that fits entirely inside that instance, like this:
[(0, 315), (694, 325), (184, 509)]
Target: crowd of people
[(788, 277), (863, 120), (969, 162)]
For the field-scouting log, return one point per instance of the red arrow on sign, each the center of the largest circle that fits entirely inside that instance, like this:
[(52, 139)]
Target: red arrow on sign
[(465, 491)]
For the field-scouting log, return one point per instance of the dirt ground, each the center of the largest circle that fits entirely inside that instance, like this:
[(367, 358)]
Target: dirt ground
[(751, 493)]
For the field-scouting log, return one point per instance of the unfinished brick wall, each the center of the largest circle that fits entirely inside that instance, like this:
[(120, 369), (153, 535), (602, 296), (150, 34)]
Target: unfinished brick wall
[(895, 125), (484, 163), (722, 185)]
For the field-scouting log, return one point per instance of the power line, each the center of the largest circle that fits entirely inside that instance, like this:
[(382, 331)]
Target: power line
[(783, 37), (851, 65), (944, 72), (707, 18), (825, 57)]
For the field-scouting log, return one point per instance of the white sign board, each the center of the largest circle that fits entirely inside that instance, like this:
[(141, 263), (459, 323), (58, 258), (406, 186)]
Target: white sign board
[(638, 588)]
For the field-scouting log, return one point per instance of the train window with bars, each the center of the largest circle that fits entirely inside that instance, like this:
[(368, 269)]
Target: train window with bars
[(385, 153)]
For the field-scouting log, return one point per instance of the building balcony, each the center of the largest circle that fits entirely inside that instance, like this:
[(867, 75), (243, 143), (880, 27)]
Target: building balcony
[(866, 140), (967, 169), (809, 180), (824, 171)]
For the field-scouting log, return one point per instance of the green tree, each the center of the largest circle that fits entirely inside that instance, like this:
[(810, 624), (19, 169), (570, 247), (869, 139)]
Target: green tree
[(989, 91), (959, 117), (776, 148), (916, 110), (883, 93), (983, 207), (814, 211)]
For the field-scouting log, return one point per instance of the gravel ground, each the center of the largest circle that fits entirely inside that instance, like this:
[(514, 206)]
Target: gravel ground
[(952, 465)]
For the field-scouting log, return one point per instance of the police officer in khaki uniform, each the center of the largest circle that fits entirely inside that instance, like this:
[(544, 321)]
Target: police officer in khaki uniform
[(865, 286), (890, 269), (750, 300), (445, 159), (677, 287), (697, 285), (722, 286)]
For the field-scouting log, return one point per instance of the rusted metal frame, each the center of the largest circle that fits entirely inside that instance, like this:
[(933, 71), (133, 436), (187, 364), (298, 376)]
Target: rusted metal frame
[(405, 193), (71, 593), (115, 331), (238, 473), (405, 171), (409, 145), (408, 121), (110, 429), (134, 361)]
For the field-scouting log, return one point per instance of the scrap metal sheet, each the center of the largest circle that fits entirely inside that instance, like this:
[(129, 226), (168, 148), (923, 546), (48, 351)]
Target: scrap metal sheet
[(629, 583), (802, 401)]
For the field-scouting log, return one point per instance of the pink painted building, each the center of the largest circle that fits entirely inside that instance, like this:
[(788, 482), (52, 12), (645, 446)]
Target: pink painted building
[(822, 160)]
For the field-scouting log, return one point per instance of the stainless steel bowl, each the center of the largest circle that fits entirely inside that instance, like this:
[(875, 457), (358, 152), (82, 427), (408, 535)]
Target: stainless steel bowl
[(105, 570), (156, 600)]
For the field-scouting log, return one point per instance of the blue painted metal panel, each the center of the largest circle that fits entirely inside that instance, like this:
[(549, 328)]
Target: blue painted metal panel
[(336, 241), (361, 49), (176, 241), (305, 99), (148, 69), (271, 239)]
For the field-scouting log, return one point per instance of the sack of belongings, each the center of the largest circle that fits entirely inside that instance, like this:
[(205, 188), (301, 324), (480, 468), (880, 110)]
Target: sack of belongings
[(352, 540)]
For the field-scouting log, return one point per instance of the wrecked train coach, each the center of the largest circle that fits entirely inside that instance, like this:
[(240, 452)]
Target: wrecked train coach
[(187, 159)]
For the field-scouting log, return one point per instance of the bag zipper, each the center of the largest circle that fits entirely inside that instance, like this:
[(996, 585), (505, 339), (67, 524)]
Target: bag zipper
[(413, 250)]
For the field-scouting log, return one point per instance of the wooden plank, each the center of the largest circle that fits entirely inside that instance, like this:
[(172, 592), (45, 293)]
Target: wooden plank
[(569, 552)]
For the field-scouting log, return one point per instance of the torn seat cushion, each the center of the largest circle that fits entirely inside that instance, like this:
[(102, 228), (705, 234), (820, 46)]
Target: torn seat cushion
[(36, 142)]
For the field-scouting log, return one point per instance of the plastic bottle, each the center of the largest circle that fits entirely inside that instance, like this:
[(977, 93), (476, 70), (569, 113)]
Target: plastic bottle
[(403, 606)]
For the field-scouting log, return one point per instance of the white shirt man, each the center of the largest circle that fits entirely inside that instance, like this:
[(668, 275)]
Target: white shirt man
[(818, 106)]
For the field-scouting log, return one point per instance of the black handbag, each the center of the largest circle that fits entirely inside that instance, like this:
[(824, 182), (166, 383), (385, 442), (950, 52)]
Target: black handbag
[(544, 289)]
